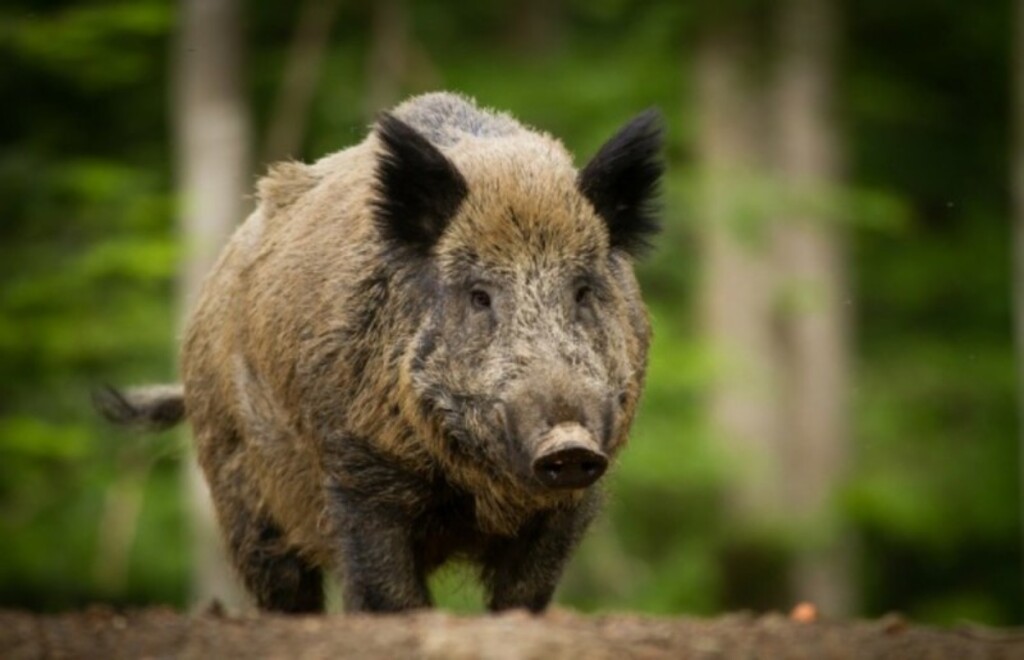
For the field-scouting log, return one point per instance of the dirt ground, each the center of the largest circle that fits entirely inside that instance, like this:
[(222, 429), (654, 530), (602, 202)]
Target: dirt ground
[(164, 633)]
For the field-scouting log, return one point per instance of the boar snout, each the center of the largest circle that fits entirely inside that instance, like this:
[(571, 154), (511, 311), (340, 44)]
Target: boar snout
[(567, 457)]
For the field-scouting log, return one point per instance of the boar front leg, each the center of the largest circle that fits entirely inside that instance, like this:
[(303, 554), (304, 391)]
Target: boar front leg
[(371, 499), (524, 571), (380, 572)]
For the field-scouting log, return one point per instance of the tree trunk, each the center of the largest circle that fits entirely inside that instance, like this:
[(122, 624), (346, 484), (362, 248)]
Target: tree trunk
[(213, 173), (1017, 186), (737, 298), (299, 82), (737, 278), (814, 321), (389, 60)]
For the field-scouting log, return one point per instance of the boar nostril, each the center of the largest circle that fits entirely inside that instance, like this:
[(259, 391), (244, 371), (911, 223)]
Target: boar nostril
[(554, 469)]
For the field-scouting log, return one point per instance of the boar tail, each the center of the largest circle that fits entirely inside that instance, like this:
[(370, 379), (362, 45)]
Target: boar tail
[(146, 408)]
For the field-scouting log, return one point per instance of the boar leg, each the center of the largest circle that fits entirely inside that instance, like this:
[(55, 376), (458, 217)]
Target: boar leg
[(279, 579), (380, 572), (370, 498), (524, 571)]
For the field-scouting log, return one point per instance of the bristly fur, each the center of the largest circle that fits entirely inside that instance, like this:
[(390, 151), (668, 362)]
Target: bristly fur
[(621, 181), (418, 189), (284, 184)]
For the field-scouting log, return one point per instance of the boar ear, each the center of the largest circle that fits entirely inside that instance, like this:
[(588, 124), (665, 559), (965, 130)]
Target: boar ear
[(418, 189), (621, 181)]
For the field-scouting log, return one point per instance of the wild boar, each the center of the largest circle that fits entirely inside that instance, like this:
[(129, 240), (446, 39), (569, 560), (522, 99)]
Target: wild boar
[(426, 346)]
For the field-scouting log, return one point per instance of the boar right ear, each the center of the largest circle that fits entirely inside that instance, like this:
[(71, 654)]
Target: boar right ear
[(418, 189), (621, 181)]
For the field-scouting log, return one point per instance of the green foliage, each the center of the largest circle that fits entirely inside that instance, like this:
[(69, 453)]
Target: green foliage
[(88, 255), (95, 46), (87, 258)]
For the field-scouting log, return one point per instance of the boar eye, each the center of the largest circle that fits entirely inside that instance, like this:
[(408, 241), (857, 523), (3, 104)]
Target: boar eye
[(480, 299), (583, 294)]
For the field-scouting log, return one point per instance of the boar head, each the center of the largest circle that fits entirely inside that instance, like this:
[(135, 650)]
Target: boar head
[(531, 341)]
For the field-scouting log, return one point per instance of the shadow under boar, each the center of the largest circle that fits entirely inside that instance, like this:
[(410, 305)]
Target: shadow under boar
[(426, 346)]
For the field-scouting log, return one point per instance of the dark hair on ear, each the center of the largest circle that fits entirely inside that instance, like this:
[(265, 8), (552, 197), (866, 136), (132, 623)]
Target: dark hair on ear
[(417, 189), (621, 181)]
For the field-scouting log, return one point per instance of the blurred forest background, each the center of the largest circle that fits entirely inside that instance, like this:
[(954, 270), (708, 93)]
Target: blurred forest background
[(830, 412)]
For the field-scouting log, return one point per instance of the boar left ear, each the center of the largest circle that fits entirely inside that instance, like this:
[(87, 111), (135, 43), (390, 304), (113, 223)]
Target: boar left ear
[(418, 189), (621, 181)]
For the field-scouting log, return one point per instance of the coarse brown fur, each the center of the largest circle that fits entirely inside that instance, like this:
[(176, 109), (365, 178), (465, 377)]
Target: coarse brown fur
[(383, 341)]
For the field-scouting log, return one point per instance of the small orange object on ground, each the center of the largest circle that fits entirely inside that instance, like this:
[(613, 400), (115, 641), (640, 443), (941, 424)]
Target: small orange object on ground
[(804, 613)]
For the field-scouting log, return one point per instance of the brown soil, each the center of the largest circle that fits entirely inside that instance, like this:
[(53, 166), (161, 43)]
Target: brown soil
[(164, 633)]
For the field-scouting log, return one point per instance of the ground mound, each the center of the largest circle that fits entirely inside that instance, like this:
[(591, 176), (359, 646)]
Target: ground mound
[(163, 633)]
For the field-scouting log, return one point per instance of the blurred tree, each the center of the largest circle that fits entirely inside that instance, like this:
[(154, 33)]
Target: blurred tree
[(775, 296), (300, 79), (737, 289), (1017, 192), (814, 324), (213, 173), (388, 62)]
